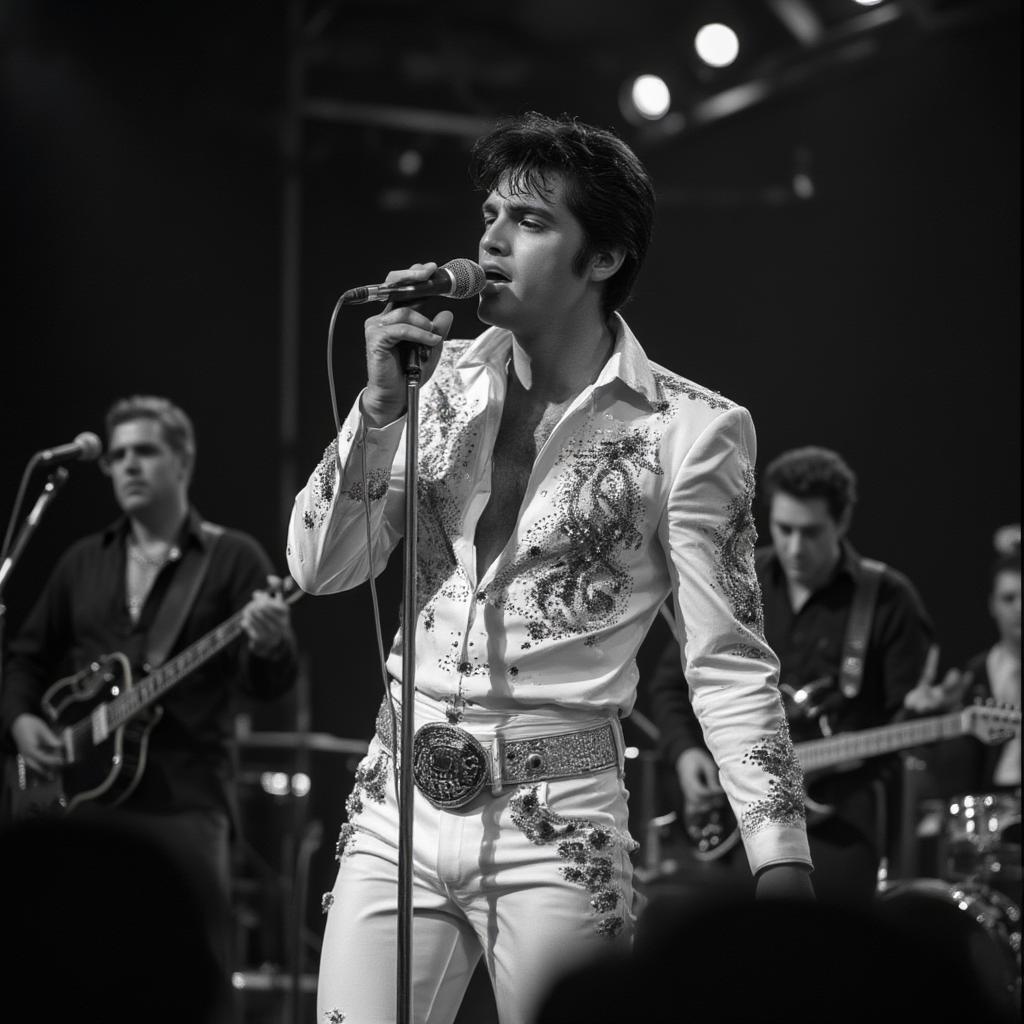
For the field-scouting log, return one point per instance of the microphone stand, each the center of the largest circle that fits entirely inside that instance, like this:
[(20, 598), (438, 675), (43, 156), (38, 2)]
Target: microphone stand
[(54, 482), (413, 377)]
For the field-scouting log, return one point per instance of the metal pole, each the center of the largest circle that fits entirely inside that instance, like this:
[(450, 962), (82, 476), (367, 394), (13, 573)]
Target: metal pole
[(405, 778), (291, 253)]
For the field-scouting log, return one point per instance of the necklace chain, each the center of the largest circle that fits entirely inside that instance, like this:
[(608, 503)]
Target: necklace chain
[(138, 555)]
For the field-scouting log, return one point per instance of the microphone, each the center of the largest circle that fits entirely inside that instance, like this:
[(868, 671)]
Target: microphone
[(87, 447), (457, 279)]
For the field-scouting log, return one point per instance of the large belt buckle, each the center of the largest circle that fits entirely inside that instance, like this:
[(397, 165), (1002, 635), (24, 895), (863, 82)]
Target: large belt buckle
[(448, 764)]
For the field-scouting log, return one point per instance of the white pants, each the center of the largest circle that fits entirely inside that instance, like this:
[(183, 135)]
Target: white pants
[(535, 879)]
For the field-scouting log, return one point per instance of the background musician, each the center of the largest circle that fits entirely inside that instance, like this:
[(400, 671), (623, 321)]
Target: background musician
[(809, 577), (159, 576)]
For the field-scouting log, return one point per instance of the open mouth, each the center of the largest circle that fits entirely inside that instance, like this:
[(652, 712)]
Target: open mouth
[(496, 277)]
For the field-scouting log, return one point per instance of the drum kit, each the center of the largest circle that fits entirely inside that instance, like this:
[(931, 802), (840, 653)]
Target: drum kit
[(977, 894)]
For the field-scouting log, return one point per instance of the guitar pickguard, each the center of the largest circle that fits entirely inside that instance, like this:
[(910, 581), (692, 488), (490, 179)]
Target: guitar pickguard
[(102, 765)]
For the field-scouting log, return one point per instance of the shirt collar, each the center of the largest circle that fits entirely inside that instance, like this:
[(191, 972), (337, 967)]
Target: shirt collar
[(628, 362), (191, 530), (848, 565)]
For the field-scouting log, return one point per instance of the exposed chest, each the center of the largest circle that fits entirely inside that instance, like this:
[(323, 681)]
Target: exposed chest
[(523, 430)]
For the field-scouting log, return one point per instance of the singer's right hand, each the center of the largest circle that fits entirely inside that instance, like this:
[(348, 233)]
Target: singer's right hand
[(384, 398)]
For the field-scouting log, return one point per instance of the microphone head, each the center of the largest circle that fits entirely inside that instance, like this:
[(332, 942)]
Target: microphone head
[(90, 446), (468, 278)]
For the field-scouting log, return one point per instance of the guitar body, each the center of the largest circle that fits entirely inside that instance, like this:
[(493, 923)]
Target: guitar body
[(711, 828), (100, 765), (104, 718)]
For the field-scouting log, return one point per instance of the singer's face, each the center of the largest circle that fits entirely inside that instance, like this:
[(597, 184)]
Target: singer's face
[(527, 250), (144, 469)]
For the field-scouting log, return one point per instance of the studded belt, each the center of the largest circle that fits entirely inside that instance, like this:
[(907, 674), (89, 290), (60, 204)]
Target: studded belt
[(450, 766)]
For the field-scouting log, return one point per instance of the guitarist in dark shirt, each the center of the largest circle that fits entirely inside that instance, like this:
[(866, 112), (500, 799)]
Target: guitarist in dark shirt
[(809, 577), (157, 576)]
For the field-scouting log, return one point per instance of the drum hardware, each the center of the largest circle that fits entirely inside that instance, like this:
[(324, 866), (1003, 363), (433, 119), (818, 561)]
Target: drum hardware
[(980, 840)]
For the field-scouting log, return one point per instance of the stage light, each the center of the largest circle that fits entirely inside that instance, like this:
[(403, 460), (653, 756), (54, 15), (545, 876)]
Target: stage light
[(283, 784), (716, 44), (651, 97), (644, 98), (867, 3), (274, 783)]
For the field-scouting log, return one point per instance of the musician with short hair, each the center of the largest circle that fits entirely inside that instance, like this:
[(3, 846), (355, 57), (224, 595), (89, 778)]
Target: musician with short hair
[(810, 579), (150, 586)]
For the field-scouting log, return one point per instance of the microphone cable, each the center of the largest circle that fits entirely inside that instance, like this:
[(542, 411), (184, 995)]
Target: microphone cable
[(378, 629)]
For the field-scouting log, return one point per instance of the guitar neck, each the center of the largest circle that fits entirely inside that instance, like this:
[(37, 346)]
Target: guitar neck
[(149, 690), (884, 739)]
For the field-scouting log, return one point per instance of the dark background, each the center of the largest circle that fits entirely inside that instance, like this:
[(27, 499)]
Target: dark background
[(145, 150)]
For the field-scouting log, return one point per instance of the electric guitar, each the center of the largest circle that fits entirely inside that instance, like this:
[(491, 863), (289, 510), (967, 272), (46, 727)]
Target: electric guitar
[(712, 831), (103, 720)]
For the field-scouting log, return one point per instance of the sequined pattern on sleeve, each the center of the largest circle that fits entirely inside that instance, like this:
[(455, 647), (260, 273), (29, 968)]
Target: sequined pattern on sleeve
[(322, 486), (735, 542), (584, 846), (784, 804)]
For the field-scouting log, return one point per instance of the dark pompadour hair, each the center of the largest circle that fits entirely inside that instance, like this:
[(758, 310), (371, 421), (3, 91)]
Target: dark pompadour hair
[(607, 188), (812, 472)]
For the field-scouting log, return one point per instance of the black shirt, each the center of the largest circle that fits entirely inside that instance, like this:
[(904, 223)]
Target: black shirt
[(809, 645), (82, 614)]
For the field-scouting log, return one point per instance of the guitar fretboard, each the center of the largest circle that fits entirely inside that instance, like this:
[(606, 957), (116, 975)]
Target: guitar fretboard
[(899, 736), (150, 689), (133, 699)]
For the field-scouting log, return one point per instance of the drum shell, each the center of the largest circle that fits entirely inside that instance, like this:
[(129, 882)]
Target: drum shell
[(978, 925)]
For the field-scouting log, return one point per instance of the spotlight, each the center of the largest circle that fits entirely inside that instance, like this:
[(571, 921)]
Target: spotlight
[(716, 44), (645, 98)]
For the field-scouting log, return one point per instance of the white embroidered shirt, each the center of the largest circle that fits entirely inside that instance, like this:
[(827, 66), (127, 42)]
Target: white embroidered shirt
[(642, 491)]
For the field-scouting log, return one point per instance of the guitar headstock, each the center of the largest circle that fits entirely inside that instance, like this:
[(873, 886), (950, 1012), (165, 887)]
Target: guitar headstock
[(991, 723)]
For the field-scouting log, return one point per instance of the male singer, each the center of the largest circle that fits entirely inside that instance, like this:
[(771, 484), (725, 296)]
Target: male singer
[(567, 486)]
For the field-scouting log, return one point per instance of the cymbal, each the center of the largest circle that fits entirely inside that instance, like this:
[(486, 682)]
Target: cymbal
[(323, 741)]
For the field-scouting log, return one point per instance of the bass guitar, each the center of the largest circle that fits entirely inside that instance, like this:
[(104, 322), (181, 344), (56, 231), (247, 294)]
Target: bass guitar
[(712, 830), (103, 719)]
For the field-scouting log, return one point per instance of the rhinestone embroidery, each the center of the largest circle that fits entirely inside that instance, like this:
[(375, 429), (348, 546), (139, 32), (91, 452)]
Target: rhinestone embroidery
[(322, 485), (784, 804), (568, 570), (677, 386), (749, 651), (735, 543), (369, 782), (377, 484), (584, 846)]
